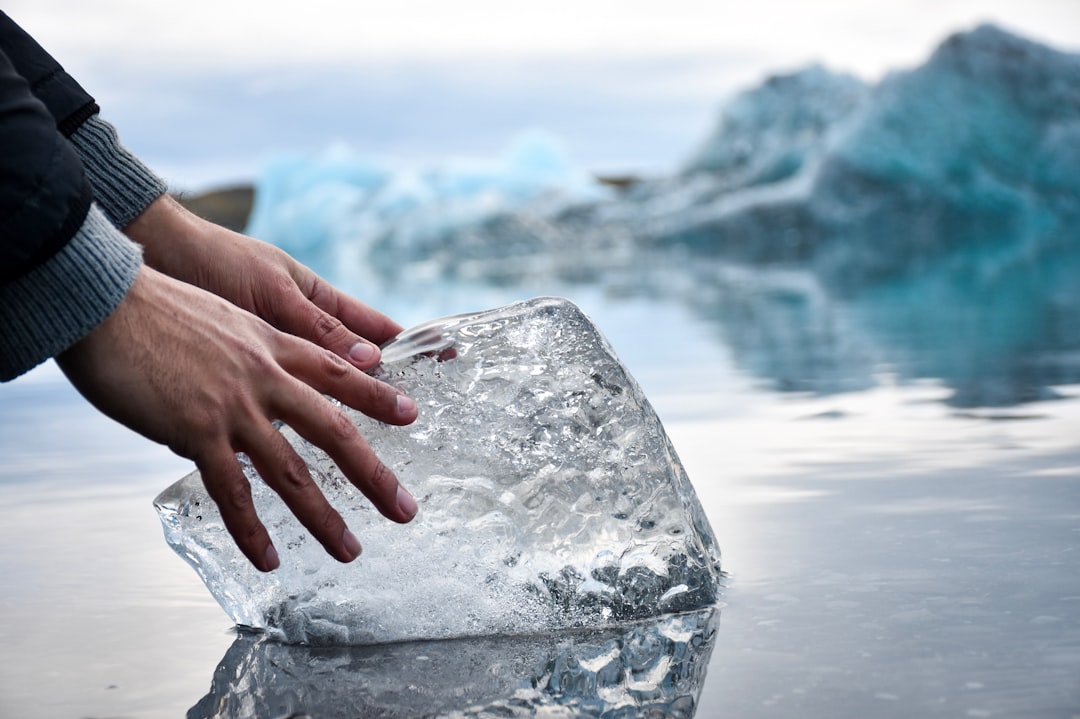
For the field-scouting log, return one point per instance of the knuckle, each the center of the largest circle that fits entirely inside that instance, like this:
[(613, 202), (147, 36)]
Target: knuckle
[(321, 293), (253, 531), (279, 283), (326, 327), (249, 534), (204, 427), (341, 428), (331, 521), (295, 476), (255, 356), (334, 366), (382, 480), (237, 497), (381, 394)]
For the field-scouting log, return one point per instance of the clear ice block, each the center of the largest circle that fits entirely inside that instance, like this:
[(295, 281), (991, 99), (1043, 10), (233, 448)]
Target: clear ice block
[(550, 498)]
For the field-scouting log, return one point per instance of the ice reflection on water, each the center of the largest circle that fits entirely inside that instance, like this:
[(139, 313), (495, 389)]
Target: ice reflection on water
[(996, 337), (654, 668)]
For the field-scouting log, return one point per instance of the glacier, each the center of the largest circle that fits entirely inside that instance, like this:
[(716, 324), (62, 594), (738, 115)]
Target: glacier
[(550, 498)]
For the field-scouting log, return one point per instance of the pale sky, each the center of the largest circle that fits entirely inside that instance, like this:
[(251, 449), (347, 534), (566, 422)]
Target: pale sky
[(424, 76), (854, 35)]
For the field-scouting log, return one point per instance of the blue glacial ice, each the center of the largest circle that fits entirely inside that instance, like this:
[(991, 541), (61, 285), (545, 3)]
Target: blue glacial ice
[(313, 206), (777, 130), (550, 498), (977, 149), (928, 224)]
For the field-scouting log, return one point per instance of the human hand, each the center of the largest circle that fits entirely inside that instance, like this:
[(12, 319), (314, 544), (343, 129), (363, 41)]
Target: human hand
[(190, 370), (260, 278)]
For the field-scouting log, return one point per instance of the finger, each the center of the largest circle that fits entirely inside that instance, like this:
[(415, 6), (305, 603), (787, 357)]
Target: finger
[(330, 374), (298, 316), (357, 316), (231, 492), (364, 320), (282, 469), (327, 427)]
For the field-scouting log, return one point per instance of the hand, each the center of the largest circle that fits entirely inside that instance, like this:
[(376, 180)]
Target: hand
[(190, 370), (260, 278)]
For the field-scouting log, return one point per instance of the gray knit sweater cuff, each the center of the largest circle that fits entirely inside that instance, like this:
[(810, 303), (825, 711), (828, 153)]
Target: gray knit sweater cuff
[(52, 307), (123, 185)]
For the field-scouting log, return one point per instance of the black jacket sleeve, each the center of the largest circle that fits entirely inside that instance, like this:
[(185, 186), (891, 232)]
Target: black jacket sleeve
[(68, 103), (122, 185), (64, 266), (44, 194)]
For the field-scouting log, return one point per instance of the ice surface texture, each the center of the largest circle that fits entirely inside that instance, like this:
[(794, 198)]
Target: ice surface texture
[(550, 497), (648, 669)]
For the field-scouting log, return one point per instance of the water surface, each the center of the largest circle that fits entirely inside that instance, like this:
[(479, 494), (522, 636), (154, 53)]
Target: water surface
[(889, 554)]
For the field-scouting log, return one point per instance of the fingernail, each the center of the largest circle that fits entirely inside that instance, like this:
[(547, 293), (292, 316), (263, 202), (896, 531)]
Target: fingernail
[(272, 560), (405, 502), (405, 405), (352, 544), (362, 352)]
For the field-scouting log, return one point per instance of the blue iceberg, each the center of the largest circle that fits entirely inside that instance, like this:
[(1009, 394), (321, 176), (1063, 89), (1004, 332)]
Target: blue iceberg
[(926, 226), (780, 128), (315, 207), (971, 159)]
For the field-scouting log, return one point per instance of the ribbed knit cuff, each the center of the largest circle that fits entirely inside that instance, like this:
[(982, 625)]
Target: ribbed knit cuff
[(52, 307), (123, 185)]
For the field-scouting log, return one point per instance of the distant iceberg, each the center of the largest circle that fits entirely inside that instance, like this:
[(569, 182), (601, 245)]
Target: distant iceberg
[(977, 148), (313, 206), (941, 203), (778, 129)]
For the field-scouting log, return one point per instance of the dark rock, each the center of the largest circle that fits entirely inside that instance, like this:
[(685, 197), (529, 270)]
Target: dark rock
[(229, 207)]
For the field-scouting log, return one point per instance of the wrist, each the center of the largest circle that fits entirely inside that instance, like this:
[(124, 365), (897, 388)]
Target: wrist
[(172, 238)]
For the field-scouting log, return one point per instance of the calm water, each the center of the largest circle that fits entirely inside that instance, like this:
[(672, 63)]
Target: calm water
[(892, 552)]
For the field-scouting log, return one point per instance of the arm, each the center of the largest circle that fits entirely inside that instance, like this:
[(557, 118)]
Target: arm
[(63, 269), (251, 274), (168, 359)]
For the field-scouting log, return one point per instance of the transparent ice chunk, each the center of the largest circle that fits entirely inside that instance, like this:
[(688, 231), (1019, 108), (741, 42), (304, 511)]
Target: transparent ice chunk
[(550, 497)]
